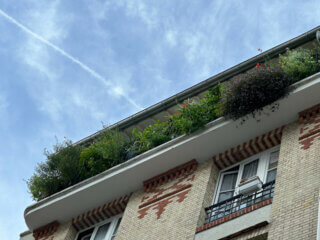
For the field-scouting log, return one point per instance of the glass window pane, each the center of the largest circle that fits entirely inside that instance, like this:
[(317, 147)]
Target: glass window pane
[(102, 232), (85, 235), (236, 168), (225, 195), (273, 161), (229, 182), (250, 169), (271, 175), (116, 229)]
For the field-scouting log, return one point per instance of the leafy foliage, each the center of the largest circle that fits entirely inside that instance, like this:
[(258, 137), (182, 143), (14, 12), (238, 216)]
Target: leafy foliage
[(194, 116), (189, 118), (246, 93), (300, 63), (108, 151), (58, 172), (251, 91), (150, 137)]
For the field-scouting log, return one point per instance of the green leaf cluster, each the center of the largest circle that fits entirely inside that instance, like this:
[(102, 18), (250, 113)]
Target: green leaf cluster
[(59, 171), (299, 63), (246, 93), (107, 151), (252, 91), (188, 119), (69, 164)]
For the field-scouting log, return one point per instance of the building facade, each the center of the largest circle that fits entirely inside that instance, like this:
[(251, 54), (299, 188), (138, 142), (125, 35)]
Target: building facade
[(258, 180)]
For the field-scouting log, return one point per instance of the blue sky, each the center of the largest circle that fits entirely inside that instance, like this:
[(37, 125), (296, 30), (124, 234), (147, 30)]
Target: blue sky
[(74, 65)]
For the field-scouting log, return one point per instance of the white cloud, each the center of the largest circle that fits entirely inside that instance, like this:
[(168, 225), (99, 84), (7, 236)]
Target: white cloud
[(202, 41), (171, 37), (43, 20), (139, 9), (145, 12), (36, 54)]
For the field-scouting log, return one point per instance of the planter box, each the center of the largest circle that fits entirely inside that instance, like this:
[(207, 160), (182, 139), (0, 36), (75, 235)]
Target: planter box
[(250, 185)]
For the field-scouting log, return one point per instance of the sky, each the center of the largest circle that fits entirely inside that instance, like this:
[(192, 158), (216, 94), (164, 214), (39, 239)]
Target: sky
[(70, 67)]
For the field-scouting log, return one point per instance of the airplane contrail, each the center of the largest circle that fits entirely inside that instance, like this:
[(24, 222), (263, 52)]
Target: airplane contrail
[(67, 55)]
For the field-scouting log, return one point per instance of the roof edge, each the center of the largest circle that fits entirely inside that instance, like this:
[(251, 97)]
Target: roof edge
[(202, 86), (99, 177)]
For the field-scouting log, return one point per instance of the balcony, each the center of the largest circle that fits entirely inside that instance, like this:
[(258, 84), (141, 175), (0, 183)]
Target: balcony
[(246, 212)]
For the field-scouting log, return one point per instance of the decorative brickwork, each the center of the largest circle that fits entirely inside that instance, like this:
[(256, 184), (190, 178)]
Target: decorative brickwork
[(295, 202), (309, 132), (172, 209), (159, 198), (234, 215), (248, 149), (46, 231), (101, 213), (170, 175), (309, 113)]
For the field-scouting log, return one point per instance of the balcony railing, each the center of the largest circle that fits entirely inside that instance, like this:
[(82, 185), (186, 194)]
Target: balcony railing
[(239, 202)]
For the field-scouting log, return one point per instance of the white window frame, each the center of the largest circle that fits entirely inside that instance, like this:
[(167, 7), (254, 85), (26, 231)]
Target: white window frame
[(221, 175), (113, 223), (262, 170)]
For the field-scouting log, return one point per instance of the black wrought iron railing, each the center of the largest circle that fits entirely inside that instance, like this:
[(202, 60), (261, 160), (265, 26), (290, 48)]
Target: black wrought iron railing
[(239, 202)]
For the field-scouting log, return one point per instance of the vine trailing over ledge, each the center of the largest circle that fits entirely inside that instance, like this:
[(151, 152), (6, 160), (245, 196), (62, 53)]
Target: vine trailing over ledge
[(246, 93), (252, 91)]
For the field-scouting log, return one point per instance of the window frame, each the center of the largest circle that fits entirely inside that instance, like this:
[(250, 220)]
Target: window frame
[(113, 223), (221, 176), (262, 170)]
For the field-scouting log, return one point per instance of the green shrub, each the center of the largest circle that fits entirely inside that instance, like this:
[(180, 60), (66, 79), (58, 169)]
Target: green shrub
[(108, 151), (299, 63), (59, 171), (191, 117), (246, 93), (152, 136), (250, 92)]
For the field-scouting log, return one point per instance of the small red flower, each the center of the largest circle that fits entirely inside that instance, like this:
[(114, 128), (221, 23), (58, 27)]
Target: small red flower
[(257, 65), (184, 105), (259, 49)]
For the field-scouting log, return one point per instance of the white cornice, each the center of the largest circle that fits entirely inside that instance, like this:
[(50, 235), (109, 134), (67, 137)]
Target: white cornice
[(127, 177)]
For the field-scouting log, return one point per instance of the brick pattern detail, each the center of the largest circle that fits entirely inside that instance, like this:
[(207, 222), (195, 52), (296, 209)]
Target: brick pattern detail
[(234, 215), (309, 132), (172, 174), (180, 218), (100, 213), (248, 149), (308, 114), (159, 198), (46, 231), (295, 201)]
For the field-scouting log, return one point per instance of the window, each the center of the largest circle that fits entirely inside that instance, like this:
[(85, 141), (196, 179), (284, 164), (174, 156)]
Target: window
[(263, 165), (105, 230), (250, 169), (272, 168), (228, 184)]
